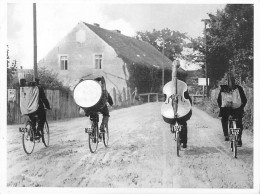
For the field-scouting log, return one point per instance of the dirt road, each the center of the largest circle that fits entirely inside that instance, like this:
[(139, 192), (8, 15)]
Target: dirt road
[(142, 153)]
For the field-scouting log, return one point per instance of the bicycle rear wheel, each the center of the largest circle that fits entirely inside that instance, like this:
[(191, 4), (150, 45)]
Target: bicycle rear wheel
[(234, 149), (93, 139), (46, 134), (106, 136), (178, 143), (28, 139)]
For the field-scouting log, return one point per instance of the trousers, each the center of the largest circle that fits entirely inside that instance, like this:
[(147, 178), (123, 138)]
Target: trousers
[(41, 118)]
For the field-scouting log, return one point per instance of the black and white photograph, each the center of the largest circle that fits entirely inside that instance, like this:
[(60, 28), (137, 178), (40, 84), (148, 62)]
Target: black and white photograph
[(129, 97)]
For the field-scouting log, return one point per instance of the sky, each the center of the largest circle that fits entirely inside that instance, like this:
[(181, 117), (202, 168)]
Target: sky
[(55, 20)]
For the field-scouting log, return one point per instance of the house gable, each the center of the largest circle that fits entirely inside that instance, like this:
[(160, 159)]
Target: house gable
[(81, 46)]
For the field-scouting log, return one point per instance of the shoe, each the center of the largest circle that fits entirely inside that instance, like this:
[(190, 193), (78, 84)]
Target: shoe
[(226, 138), (103, 123), (184, 145), (239, 143)]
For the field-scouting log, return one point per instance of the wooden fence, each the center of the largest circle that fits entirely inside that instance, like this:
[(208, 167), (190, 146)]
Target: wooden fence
[(62, 106), (158, 97)]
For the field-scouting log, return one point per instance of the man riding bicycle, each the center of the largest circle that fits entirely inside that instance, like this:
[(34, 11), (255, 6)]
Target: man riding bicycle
[(42, 104), (227, 108), (93, 112)]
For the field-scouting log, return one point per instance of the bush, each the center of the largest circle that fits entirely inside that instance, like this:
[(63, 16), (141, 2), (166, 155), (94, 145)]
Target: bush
[(49, 80), (210, 107)]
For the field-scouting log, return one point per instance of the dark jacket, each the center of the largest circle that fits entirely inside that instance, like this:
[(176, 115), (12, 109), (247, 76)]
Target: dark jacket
[(43, 101), (109, 99), (225, 111)]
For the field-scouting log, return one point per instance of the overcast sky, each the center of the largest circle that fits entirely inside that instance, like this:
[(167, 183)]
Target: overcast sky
[(54, 21)]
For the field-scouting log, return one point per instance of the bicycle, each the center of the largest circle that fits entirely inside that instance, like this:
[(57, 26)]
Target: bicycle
[(176, 128), (95, 136), (233, 134), (28, 135)]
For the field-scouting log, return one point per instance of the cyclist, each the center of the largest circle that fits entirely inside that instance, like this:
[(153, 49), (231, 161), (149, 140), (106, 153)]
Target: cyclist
[(183, 121), (93, 113), (226, 111), (43, 103)]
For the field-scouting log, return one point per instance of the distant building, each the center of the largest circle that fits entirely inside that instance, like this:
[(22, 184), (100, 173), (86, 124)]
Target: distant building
[(89, 49)]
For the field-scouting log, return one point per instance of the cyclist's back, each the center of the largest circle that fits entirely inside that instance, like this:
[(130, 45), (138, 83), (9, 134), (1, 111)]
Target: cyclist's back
[(231, 100), (39, 101)]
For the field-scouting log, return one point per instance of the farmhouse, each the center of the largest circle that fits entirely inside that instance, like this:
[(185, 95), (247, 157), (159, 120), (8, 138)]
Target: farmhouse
[(125, 62)]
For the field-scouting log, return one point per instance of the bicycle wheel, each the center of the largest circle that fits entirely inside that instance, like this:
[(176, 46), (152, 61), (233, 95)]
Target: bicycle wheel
[(106, 136), (178, 143), (46, 134), (28, 139), (93, 139), (234, 148)]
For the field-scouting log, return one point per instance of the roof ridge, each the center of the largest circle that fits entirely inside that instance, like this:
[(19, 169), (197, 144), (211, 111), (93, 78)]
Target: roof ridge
[(130, 48)]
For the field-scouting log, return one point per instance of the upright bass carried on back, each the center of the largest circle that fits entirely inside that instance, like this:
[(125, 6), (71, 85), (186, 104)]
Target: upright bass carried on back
[(176, 109)]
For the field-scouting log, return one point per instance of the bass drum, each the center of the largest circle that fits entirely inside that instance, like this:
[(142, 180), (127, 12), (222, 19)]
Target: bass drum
[(88, 94)]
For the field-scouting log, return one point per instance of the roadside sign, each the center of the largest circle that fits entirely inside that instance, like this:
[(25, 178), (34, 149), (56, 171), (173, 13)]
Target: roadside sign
[(11, 95), (202, 81)]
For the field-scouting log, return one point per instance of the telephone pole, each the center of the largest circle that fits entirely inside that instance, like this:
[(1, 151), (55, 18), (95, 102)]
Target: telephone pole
[(206, 68), (34, 42)]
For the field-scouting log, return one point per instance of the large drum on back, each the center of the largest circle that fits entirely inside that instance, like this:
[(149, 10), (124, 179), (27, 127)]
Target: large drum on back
[(88, 94)]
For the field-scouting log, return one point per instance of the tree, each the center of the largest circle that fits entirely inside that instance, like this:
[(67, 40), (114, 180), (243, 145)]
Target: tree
[(49, 80), (230, 42), (172, 41), (175, 44), (11, 69)]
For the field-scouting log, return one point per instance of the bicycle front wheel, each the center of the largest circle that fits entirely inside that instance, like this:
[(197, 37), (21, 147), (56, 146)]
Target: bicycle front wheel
[(28, 139), (46, 134), (93, 139), (106, 136)]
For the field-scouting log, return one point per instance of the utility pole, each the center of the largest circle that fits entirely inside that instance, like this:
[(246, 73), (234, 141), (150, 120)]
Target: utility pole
[(34, 42), (206, 68)]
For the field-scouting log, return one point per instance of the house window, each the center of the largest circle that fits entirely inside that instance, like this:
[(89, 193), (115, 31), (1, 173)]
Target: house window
[(98, 61), (64, 62)]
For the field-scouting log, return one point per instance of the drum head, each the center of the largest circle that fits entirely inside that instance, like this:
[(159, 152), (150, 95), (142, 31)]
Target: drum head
[(87, 93)]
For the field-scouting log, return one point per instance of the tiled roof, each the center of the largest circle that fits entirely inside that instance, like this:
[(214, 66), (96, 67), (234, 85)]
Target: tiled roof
[(131, 49)]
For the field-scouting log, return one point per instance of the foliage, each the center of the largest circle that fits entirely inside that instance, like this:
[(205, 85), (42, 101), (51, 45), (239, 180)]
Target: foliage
[(172, 44), (11, 69), (49, 80), (171, 41), (230, 42)]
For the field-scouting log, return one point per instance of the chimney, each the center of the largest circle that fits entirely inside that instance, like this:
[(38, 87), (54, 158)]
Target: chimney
[(96, 24), (118, 31)]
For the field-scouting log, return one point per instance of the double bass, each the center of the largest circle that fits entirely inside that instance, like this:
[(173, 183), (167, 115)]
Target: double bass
[(175, 105)]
